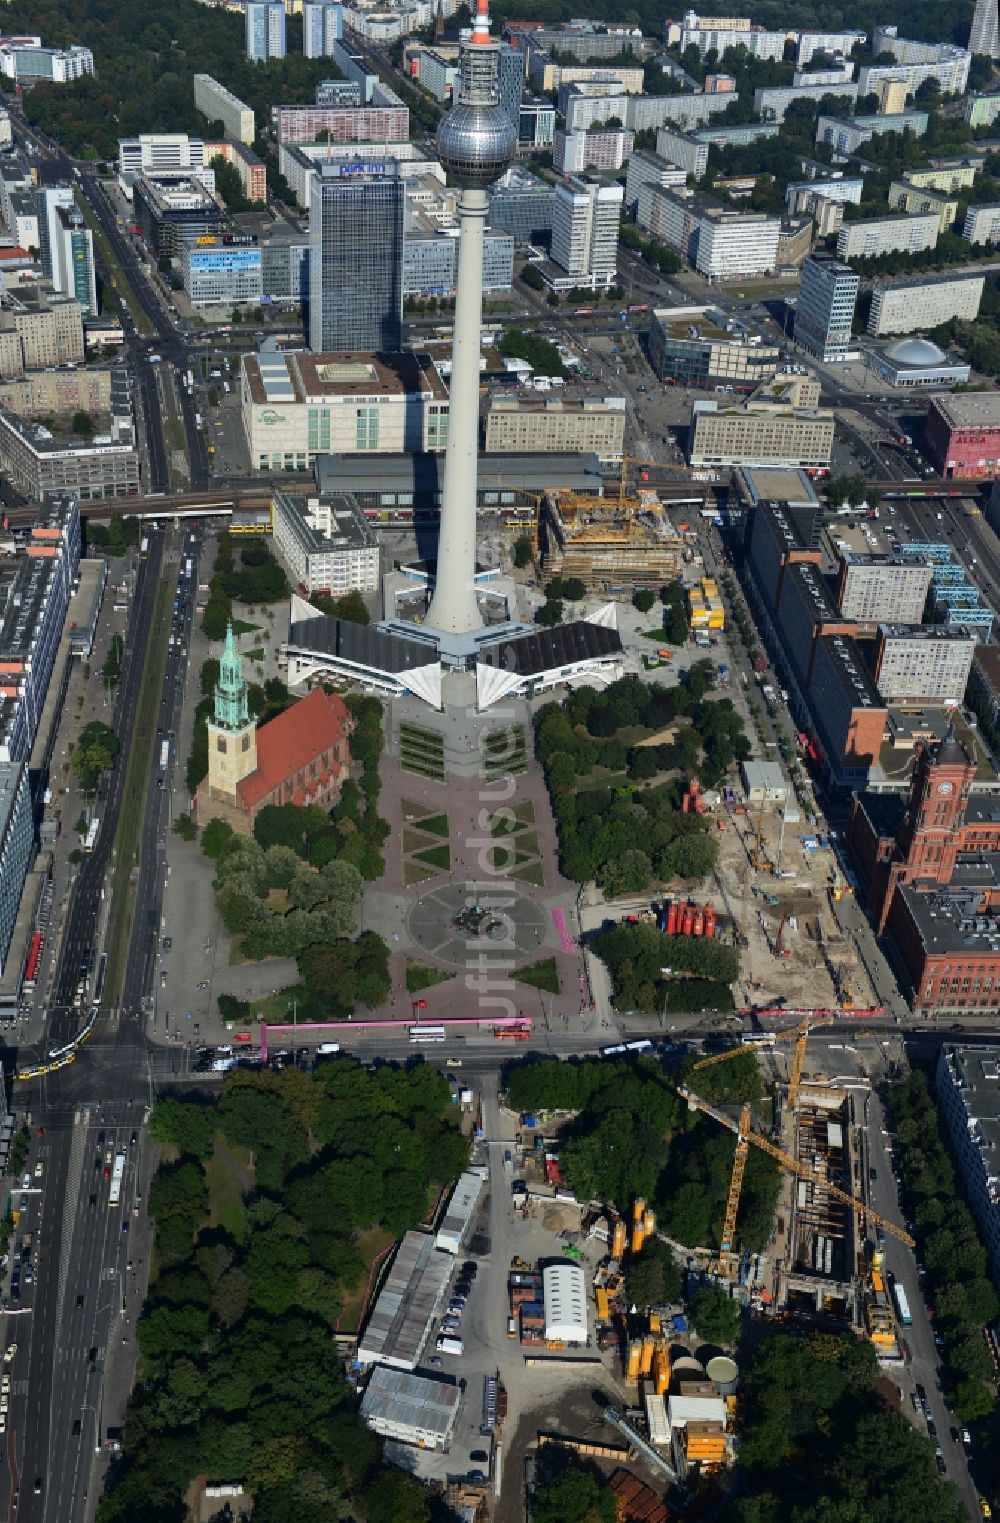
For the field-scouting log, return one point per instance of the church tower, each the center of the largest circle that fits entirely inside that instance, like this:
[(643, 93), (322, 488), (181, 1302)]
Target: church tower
[(232, 734)]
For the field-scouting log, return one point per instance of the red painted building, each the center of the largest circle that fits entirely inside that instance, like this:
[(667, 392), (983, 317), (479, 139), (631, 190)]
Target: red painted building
[(962, 434), (931, 869)]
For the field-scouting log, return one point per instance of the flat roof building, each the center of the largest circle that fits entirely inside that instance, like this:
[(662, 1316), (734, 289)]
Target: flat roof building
[(218, 104), (37, 463), (356, 222), (926, 663), (968, 1093), (756, 436), (874, 236), (824, 317), (847, 710), (924, 304), (846, 134), (874, 589), (721, 242), (325, 544), (523, 424), (299, 405), (412, 1409), (17, 848), (456, 1224), (708, 349), (982, 224), (407, 1304), (174, 210), (962, 434), (342, 124)]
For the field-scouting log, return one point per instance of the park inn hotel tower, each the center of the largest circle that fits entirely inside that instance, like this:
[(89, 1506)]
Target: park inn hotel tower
[(356, 217)]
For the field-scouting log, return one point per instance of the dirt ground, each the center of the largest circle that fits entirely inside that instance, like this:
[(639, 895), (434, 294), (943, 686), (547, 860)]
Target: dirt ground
[(821, 968), (573, 1414)]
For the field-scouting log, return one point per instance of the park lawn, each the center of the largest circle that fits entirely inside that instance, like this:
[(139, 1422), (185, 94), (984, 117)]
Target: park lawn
[(420, 975), (241, 627), (435, 856), (415, 872), (225, 1193), (437, 824), (369, 1245), (540, 975), (414, 838), (532, 873)]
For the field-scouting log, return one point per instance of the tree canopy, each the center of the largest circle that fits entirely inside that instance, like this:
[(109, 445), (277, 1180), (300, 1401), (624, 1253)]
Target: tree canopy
[(242, 1378)]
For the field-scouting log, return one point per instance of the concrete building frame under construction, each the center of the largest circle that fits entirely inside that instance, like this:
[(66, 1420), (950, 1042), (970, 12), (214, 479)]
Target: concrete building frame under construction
[(606, 542), (822, 1248)]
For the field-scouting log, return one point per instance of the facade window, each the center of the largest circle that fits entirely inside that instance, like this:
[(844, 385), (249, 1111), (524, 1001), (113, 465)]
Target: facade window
[(319, 429), (245, 744), (366, 428), (220, 745)]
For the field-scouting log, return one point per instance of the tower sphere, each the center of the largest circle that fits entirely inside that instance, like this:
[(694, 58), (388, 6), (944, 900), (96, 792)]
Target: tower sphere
[(476, 144)]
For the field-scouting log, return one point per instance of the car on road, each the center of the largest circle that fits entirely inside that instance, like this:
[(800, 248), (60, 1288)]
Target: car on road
[(453, 1063), (436, 1362), (39, 1170), (38, 1485), (23, 1204), (9, 1352)]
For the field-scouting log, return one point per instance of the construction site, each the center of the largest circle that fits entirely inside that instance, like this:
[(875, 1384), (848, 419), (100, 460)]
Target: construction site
[(609, 542)]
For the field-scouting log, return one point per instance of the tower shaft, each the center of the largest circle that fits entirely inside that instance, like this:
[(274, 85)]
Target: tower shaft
[(453, 607)]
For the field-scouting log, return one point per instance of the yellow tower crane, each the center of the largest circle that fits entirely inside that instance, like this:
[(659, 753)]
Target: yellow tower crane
[(745, 1136)]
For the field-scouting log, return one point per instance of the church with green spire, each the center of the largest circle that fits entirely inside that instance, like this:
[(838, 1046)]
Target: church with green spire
[(300, 757)]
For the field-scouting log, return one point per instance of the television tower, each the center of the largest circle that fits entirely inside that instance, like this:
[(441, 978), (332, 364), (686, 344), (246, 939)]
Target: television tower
[(476, 143)]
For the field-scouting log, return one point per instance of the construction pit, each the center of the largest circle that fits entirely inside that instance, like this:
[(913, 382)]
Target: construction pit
[(779, 886), (609, 542)]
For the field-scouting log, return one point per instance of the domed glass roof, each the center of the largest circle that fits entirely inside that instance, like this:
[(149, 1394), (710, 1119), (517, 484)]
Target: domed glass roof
[(915, 351)]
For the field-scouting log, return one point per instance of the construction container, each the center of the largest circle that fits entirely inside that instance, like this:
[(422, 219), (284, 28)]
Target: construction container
[(661, 1371), (705, 1443), (649, 1222), (654, 1322), (638, 1210), (618, 1240), (672, 918), (634, 1360), (710, 920), (648, 1350), (601, 1302), (638, 1238)]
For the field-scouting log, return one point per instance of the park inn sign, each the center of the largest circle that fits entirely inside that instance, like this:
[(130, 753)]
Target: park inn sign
[(270, 418)]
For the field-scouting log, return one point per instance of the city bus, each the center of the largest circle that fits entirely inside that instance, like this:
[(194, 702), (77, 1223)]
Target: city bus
[(426, 1033), (902, 1305), (102, 968), (31, 966), (117, 1177), (92, 830)]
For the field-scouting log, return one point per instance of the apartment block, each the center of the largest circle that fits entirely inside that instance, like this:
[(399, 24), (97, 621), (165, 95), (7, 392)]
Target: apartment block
[(684, 150), (39, 329), (982, 110), (251, 170), (645, 113), (160, 153), (874, 589), (586, 216), (587, 106), (325, 544), (645, 168), (721, 243), (915, 63), (982, 224), (846, 134), (924, 304), (700, 347), (722, 436), (772, 101), (874, 236), (916, 200), (350, 124), (218, 104), (527, 424), (573, 152), (927, 663)]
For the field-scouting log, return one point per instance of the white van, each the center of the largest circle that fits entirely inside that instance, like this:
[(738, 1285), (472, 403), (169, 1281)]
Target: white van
[(446, 1345), (325, 1048)]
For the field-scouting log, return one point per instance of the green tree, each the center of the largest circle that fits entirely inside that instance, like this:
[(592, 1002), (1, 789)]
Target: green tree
[(183, 1125), (643, 599), (550, 613), (522, 549), (577, 1494), (716, 1316)]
